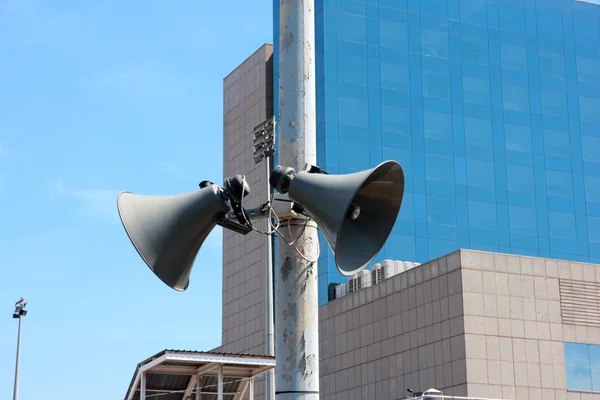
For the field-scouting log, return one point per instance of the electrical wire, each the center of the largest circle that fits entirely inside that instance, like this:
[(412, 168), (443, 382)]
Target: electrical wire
[(272, 213), (244, 211), (275, 228), (296, 247)]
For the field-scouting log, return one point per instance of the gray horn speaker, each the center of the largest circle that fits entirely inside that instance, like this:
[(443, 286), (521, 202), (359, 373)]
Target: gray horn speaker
[(356, 212), (168, 231)]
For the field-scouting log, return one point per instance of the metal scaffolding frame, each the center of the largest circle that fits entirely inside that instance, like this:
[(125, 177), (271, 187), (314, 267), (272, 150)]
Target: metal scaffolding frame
[(191, 375)]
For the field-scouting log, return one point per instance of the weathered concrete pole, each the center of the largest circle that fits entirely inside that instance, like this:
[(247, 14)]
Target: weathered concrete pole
[(297, 332)]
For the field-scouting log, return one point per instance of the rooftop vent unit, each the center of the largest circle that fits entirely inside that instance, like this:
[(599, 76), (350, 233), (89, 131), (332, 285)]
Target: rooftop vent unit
[(340, 290), (359, 281), (376, 274), (402, 266)]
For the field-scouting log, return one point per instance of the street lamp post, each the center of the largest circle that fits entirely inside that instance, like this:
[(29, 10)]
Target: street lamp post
[(19, 313), (264, 148)]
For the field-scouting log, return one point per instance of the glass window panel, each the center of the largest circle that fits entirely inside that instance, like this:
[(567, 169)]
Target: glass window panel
[(353, 156), (520, 178), (436, 84), (554, 103), (395, 119), (594, 229), (393, 35), (523, 221), (352, 28), (438, 248), (587, 27), (482, 215), (589, 109), (474, 50), (577, 359), (595, 367), (577, 354), (480, 173), (476, 90), (441, 210), (557, 144), (551, 64), (590, 146), (587, 70), (512, 15), (439, 167), (352, 7), (353, 112), (559, 184), (437, 125), (515, 97), (549, 24), (401, 244), (513, 57), (579, 378), (473, 11), (395, 77), (562, 226), (592, 188), (352, 69), (434, 7), (518, 137), (478, 132), (434, 43)]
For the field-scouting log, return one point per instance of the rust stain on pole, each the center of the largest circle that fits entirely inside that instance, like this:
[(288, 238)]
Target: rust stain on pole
[(307, 59)]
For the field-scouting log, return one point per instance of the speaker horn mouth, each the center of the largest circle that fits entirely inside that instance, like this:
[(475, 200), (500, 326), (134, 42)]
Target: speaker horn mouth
[(370, 218), (149, 264)]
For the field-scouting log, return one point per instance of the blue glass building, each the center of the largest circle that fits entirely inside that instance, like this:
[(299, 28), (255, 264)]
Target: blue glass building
[(491, 106)]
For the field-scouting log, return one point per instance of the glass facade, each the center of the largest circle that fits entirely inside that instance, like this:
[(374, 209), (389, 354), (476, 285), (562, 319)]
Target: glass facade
[(583, 367), (492, 107)]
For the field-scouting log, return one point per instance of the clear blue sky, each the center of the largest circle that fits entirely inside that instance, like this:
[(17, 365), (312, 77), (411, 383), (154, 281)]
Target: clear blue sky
[(97, 97)]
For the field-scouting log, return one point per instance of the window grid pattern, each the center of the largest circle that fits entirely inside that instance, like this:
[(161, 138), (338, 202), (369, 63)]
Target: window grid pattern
[(492, 108)]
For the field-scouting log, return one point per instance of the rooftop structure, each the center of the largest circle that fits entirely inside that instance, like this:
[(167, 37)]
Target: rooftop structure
[(181, 375)]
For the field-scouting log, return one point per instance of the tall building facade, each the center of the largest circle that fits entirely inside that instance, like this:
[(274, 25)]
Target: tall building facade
[(492, 108), (247, 102)]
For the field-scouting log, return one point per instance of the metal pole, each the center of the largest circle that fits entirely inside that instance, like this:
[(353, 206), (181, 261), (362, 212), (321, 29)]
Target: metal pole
[(16, 390), (270, 378), (143, 386), (199, 387), (19, 313), (251, 391), (297, 365), (220, 382)]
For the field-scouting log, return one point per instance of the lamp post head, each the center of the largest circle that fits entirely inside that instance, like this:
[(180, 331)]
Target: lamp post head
[(20, 310)]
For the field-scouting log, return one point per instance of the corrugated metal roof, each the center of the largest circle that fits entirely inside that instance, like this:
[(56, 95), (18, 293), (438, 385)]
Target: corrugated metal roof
[(214, 353), (171, 386)]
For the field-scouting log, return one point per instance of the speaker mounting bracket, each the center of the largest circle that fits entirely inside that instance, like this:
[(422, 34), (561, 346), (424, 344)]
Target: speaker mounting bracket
[(236, 219), (283, 207), (281, 177), (232, 225)]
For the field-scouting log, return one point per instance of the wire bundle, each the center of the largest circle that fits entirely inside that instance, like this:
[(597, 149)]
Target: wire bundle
[(273, 215)]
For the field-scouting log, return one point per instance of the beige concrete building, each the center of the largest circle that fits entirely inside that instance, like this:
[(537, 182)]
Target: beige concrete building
[(247, 102), (470, 324)]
